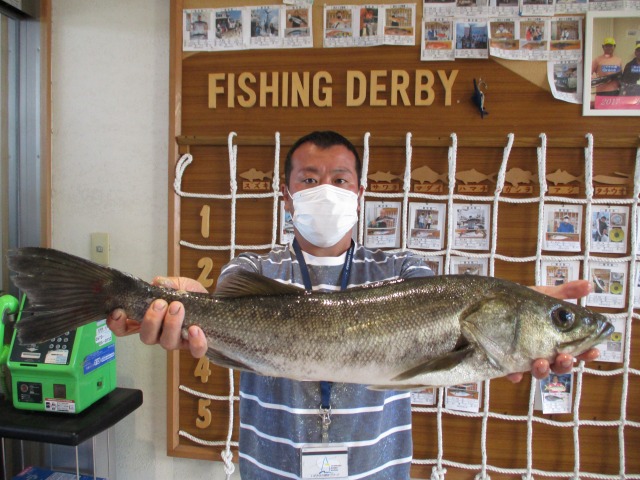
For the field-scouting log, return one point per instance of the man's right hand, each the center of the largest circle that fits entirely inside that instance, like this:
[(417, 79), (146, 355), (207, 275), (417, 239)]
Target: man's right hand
[(162, 322)]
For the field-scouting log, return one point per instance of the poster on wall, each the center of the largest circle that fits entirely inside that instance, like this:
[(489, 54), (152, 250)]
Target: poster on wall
[(465, 397), (426, 396), (565, 38), (612, 349), (609, 281), (554, 393), (555, 273), (563, 227), (435, 264), (286, 225), (198, 29), (565, 80), (426, 226), (469, 266), (609, 228), (472, 226), (472, 37), (612, 64), (437, 39), (382, 220)]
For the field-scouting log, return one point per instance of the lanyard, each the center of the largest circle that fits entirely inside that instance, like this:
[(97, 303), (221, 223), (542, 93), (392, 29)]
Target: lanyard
[(325, 387), (304, 270)]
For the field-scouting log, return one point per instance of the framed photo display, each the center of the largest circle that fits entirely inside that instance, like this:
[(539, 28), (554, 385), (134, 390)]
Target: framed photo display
[(612, 64)]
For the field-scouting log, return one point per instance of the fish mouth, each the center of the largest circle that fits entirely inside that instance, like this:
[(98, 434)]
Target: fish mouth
[(604, 330)]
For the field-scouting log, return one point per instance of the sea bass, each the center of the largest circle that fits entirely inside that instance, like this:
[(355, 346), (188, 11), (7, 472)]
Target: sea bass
[(403, 334)]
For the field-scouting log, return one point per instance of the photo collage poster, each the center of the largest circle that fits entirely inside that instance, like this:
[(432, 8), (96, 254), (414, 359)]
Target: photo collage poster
[(369, 25), (238, 28)]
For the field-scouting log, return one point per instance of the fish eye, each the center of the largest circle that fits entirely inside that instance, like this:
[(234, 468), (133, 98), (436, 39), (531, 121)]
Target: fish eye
[(562, 318)]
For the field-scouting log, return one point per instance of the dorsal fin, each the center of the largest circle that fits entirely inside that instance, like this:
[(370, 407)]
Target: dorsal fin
[(243, 283)]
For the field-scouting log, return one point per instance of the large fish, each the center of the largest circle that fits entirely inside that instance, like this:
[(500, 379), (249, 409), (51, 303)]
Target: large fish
[(396, 335)]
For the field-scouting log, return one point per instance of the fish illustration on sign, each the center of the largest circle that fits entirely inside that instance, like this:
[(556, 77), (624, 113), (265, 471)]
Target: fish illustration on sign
[(563, 177), (516, 176), (404, 334), (255, 175), (383, 177), (426, 174), (474, 176), (620, 179)]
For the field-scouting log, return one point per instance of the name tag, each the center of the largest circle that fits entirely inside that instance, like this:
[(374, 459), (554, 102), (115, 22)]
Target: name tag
[(325, 461)]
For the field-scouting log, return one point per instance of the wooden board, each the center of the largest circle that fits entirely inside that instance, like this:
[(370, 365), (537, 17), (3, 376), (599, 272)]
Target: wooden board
[(515, 106)]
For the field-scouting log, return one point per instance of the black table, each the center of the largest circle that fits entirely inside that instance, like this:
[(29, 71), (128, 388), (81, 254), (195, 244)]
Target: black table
[(68, 429)]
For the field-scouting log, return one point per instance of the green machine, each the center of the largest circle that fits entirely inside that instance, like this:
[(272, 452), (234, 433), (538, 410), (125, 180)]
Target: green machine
[(66, 374)]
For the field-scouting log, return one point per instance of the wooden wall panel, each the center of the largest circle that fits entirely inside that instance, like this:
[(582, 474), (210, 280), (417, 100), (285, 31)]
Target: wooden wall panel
[(515, 106)]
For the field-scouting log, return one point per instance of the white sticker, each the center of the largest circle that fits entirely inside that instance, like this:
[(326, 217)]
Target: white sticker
[(57, 405), (57, 357), (103, 335)]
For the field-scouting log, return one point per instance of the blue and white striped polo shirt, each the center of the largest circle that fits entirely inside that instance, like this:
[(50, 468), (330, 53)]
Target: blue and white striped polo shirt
[(279, 416)]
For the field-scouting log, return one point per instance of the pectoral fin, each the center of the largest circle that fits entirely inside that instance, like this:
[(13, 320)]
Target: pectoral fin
[(445, 362), (223, 361)]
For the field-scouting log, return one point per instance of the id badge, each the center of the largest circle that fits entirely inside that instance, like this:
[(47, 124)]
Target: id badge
[(324, 461)]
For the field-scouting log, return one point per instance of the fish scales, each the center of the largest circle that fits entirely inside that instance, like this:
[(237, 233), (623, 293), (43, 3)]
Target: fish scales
[(339, 331), (397, 335)]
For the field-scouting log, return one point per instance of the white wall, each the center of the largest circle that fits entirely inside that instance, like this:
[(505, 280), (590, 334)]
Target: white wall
[(110, 87)]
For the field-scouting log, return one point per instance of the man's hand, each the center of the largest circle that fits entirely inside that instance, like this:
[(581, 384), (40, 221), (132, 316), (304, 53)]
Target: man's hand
[(162, 322), (563, 362)]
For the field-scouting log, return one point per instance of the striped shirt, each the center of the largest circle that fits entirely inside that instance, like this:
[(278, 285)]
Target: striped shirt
[(279, 416)]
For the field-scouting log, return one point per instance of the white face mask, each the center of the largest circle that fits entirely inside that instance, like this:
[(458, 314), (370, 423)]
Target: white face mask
[(324, 214)]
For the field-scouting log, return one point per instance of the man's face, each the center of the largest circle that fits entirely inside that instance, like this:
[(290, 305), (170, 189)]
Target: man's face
[(637, 55), (313, 166), (608, 49)]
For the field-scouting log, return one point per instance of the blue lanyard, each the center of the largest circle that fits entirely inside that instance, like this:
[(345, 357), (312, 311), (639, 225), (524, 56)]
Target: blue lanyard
[(325, 387)]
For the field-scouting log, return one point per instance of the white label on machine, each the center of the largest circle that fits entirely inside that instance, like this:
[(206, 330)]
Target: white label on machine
[(103, 334), (57, 357), (58, 405)]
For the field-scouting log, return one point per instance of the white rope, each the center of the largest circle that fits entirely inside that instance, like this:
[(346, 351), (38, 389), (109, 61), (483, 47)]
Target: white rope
[(363, 184), (439, 464), (406, 188), (496, 202), (227, 454), (542, 178), (275, 188), (452, 158)]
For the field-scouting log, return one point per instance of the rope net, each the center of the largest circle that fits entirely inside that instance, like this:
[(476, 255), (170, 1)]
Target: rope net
[(627, 428)]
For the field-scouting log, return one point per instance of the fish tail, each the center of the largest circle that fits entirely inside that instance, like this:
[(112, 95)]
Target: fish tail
[(64, 292)]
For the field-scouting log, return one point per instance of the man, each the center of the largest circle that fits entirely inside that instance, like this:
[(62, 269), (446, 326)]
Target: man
[(565, 226), (630, 79), (607, 65), (280, 417)]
